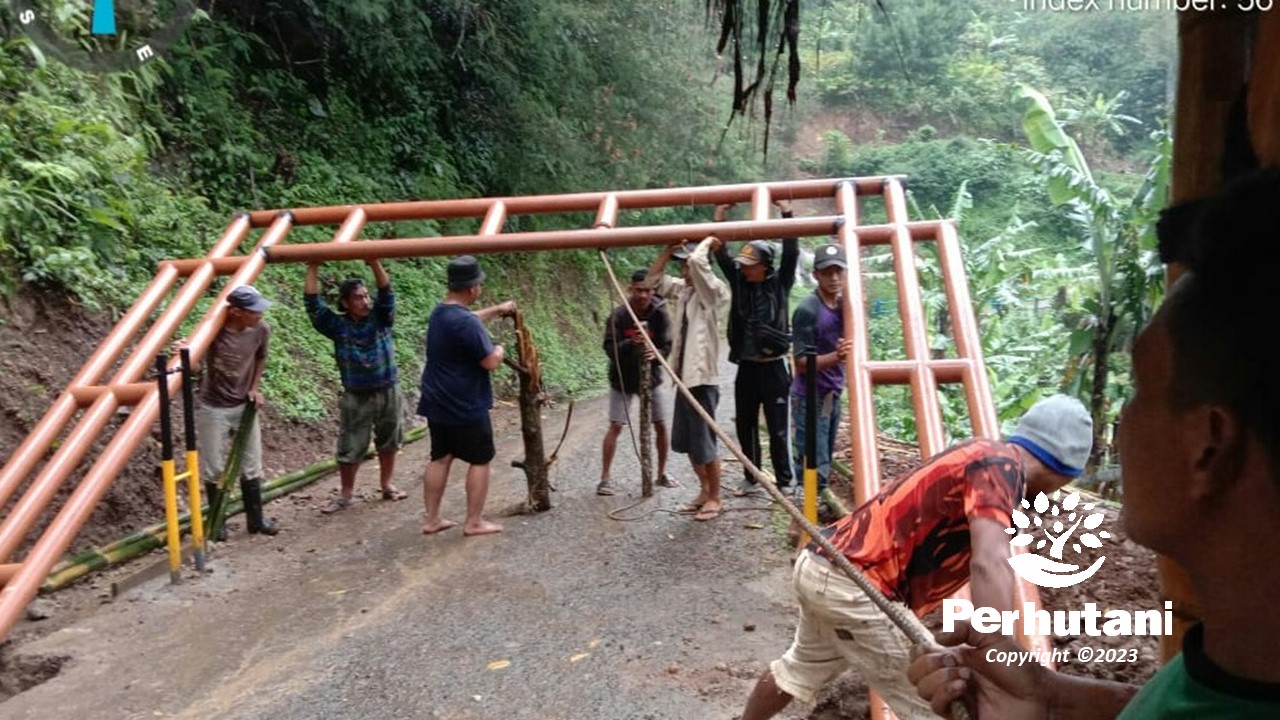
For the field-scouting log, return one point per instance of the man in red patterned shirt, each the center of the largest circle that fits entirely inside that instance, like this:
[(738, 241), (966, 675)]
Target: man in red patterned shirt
[(919, 541)]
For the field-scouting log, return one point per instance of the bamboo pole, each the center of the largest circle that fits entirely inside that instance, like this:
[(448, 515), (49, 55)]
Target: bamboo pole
[(646, 427)]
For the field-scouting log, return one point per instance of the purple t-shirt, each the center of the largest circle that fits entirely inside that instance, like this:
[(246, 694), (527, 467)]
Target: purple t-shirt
[(815, 325)]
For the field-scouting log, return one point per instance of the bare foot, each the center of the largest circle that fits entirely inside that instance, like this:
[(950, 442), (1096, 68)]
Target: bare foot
[(484, 527), (433, 528)]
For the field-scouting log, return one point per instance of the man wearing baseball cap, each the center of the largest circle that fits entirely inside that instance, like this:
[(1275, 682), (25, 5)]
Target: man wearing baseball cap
[(759, 343), (919, 540), (232, 377), (818, 325)]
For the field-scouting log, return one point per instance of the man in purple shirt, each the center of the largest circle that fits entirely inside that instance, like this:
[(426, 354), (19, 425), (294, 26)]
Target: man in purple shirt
[(818, 324)]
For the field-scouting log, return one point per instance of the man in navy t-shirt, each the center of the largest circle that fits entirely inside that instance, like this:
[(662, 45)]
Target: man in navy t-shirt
[(457, 394)]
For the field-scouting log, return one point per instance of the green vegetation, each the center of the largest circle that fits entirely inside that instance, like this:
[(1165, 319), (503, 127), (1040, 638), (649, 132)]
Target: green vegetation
[(1055, 192), (293, 103), (317, 102)]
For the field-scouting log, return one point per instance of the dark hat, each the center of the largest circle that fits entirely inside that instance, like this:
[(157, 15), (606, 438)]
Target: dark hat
[(464, 272), (756, 251), (683, 252), (1059, 431), (248, 298), (827, 255), (639, 275)]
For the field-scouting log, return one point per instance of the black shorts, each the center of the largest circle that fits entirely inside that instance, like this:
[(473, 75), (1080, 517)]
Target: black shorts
[(471, 443)]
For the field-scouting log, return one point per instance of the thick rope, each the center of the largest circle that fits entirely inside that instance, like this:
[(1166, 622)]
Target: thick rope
[(897, 613)]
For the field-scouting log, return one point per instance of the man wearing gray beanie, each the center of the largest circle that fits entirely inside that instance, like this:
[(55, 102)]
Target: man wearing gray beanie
[(919, 540), (1200, 442)]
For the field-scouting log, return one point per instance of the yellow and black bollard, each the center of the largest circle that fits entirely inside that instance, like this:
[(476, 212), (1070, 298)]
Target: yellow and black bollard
[(167, 474), (193, 460), (810, 439), (168, 470)]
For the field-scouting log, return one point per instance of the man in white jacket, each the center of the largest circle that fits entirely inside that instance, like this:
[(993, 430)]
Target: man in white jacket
[(701, 300)]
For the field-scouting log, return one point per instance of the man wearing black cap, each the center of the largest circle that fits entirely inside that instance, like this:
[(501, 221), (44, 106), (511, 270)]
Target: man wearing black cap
[(457, 395), (366, 355), (759, 341), (232, 378), (818, 325)]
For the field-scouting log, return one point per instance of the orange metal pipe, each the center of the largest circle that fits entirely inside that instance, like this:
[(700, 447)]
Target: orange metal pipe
[(575, 202), (351, 227), (200, 339), (221, 266), (924, 388), (552, 240), (606, 215), (27, 510), (901, 372), (15, 595), (867, 235), (22, 588), (8, 571), (494, 218), (55, 420), (125, 394), (862, 409), (760, 203), (982, 412)]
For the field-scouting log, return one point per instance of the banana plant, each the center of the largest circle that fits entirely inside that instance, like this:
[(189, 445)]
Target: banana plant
[(1120, 236)]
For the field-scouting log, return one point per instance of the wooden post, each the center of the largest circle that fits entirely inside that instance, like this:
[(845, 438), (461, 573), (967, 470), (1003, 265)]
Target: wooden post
[(1213, 61), (646, 428), (534, 463)]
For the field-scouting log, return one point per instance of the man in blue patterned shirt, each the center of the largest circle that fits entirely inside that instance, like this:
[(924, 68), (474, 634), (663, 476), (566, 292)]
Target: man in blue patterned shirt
[(366, 355)]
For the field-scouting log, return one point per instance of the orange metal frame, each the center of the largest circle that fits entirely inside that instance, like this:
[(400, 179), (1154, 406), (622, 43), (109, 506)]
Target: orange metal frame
[(127, 387)]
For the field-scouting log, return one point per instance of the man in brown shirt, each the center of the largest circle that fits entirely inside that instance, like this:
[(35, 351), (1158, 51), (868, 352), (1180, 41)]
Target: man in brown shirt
[(232, 374)]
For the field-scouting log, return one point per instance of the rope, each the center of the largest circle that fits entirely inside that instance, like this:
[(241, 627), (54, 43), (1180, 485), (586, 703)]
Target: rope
[(896, 613), (613, 514)]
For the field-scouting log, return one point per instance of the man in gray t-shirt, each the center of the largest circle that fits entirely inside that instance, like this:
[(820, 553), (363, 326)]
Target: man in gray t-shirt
[(232, 374)]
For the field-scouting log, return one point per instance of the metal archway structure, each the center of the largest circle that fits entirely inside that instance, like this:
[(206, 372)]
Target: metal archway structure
[(41, 465)]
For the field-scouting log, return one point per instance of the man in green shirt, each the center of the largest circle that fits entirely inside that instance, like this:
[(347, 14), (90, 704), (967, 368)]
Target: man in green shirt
[(1200, 442)]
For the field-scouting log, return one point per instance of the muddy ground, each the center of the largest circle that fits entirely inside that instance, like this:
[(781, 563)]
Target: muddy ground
[(44, 341)]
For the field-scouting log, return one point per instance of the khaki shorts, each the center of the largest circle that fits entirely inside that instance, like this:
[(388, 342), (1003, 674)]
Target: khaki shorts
[(368, 412), (840, 628), (620, 406)]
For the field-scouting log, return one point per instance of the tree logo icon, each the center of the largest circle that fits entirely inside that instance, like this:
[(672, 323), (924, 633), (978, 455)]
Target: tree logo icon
[(1059, 523)]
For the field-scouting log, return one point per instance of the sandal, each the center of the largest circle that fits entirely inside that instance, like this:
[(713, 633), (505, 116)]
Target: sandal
[(335, 505), (604, 488), (667, 481), (393, 493), (711, 514)]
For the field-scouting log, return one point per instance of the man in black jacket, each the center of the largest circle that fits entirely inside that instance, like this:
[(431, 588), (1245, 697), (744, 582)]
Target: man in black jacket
[(759, 343), (625, 348)]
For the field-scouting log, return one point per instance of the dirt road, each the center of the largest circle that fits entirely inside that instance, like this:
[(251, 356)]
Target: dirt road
[(568, 614)]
